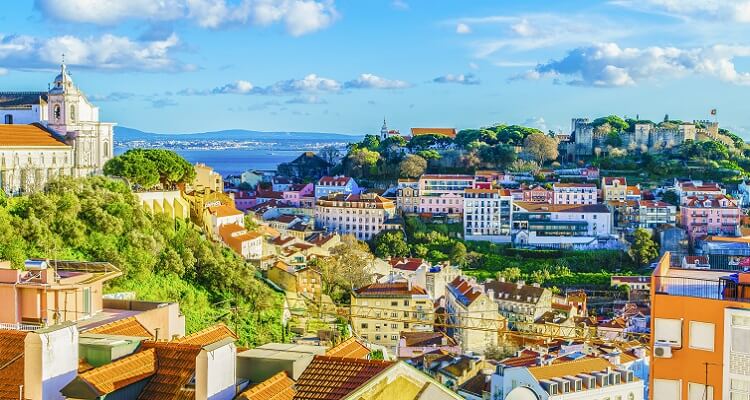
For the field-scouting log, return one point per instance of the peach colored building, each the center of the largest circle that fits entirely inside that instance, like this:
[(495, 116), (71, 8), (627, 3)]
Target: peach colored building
[(49, 292), (700, 338), (443, 194), (362, 215), (710, 215)]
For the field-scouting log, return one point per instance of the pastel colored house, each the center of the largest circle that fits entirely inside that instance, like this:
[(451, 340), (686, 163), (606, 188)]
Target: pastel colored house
[(302, 280), (294, 194), (443, 194), (574, 193), (247, 244), (336, 184), (222, 214), (710, 215)]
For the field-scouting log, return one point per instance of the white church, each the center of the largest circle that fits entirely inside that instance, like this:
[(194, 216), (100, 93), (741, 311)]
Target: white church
[(52, 133)]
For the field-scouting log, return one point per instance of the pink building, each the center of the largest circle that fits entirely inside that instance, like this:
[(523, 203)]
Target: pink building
[(443, 194), (574, 193), (295, 193), (537, 194), (710, 215)]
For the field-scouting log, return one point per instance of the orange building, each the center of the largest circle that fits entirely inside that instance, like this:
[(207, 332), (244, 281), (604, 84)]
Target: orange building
[(700, 333)]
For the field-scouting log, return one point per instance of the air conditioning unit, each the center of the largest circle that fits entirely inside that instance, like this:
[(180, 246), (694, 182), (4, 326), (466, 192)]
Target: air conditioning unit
[(662, 350)]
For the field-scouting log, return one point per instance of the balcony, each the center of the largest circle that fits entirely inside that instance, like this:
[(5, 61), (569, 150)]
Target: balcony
[(706, 284)]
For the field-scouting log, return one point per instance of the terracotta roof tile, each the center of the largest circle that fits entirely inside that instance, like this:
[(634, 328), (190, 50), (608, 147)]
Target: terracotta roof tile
[(175, 367), (207, 336), (123, 327), (350, 348), (582, 366), (333, 378), (11, 362), (28, 136), (120, 373), (277, 387), (424, 339), (406, 263), (389, 289), (464, 291), (224, 211), (450, 132)]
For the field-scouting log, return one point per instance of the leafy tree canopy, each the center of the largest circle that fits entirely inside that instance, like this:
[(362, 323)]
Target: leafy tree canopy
[(616, 123), (149, 167)]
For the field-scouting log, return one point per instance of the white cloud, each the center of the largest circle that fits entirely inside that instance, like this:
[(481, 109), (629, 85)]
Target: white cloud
[(728, 10), (299, 17), (536, 122), (463, 79), (609, 65), (3, 71), (473, 65), (311, 83), (238, 87), (370, 81), (309, 99), (114, 96), (109, 52), (462, 29), (400, 5)]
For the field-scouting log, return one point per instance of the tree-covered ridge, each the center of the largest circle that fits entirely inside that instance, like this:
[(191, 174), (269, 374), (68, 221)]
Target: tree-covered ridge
[(99, 219)]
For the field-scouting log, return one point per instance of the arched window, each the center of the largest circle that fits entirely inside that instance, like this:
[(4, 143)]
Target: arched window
[(72, 113), (106, 149), (9, 119), (57, 112)]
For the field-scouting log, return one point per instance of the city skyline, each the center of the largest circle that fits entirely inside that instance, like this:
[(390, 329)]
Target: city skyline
[(336, 66)]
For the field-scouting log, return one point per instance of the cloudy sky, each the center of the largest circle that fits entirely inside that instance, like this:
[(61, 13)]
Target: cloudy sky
[(343, 65)]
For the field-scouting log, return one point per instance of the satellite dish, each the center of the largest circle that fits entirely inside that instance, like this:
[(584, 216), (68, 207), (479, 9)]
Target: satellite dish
[(522, 393)]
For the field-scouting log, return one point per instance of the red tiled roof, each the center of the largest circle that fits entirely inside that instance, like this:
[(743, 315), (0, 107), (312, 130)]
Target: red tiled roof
[(447, 176), (406, 263), (11, 362), (277, 387), (709, 202), (208, 336), (333, 378), (389, 289), (333, 180), (224, 211), (28, 136), (123, 327), (120, 373), (467, 293), (609, 180), (582, 185), (653, 204), (350, 348), (175, 368)]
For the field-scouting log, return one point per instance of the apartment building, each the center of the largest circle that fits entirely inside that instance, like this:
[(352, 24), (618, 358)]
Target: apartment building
[(407, 196), (614, 188), (488, 214), (206, 179), (581, 379), (650, 214), (574, 193), (473, 316), (700, 324), (561, 226), (247, 244), (217, 215), (443, 194), (362, 215), (302, 280), (381, 311), (423, 274), (336, 184), (695, 188), (536, 194), (519, 302), (294, 194), (710, 215)]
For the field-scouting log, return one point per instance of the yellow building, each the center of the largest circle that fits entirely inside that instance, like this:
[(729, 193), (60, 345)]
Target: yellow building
[(304, 281), (614, 188), (207, 178), (168, 202), (381, 311), (473, 317), (362, 215)]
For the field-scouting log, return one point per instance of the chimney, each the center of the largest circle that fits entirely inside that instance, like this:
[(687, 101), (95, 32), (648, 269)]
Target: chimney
[(216, 371), (536, 284), (50, 361), (521, 284), (491, 294), (501, 279)]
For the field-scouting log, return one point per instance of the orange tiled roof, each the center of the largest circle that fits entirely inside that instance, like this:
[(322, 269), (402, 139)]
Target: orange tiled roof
[(124, 327), (389, 289), (466, 292), (174, 369), (333, 378), (28, 136), (350, 348), (208, 336), (450, 132), (11, 362), (581, 366), (118, 374), (224, 211), (277, 387)]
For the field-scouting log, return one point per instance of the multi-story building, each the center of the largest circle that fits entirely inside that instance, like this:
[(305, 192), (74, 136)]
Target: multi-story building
[(710, 215), (362, 215), (561, 226), (215, 216), (700, 342), (423, 274), (614, 188), (473, 317), (294, 194), (488, 214), (443, 194), (407, 196), (536, 194), (519, 302), (336, 184), (693, 188), (381, 311), (302, 280), (207, 179), (651, 214), (574, 193), (247, 244), (584, 379)]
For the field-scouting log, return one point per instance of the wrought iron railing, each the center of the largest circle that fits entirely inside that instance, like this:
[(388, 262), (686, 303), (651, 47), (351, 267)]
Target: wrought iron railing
[(725, 288)]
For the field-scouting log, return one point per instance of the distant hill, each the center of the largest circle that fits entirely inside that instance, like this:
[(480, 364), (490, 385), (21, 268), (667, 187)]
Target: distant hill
[(125, 134)]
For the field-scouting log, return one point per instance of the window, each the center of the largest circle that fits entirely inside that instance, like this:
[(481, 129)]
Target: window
[(668, 331), (73, 113), (56, 113), (8, 119), (696, 391), (667, 389), (702, 336)]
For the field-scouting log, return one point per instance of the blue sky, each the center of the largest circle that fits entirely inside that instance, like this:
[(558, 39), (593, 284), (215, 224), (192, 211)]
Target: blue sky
[(342, 65)]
